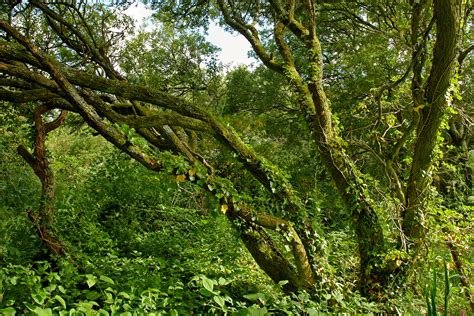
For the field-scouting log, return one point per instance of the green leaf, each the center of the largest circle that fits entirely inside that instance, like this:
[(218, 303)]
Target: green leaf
[(38, 298), (208, 284), (283, 282), (253, 311), (93, 295), (61, 301), (106, 279), (219, 300), (256, 297), (91, 280), (40, 311), (206, 292), (62, 289), (9, 311), (222, 281), (125, 295)]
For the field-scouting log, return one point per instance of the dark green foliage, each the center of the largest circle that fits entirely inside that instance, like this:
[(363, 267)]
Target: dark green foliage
[(135, 249), (312, 156), (141, 244)]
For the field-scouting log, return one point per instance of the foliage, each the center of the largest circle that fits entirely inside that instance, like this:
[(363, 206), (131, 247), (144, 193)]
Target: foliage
[(335, 177)]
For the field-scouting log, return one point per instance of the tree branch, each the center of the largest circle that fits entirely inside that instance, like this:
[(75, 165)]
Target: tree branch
[(251, 34), (86, 111)]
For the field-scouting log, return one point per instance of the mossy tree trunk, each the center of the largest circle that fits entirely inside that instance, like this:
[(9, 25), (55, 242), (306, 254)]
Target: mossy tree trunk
[(42, 218), (447, 14)]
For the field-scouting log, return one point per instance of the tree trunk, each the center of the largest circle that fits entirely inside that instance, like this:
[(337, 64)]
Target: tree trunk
[(351, 187), (447, 14), (43, 217), (251, 226), (269, 258)]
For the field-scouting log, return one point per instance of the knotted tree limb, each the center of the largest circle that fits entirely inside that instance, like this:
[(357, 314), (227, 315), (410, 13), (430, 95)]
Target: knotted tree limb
[(259, 167), (70, 85), (43, 217)]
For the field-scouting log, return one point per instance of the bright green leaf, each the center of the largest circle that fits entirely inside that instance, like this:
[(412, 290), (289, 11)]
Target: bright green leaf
[(60, 300), (208, 284), (9, 311), (106, 279), (219, 300), (91, 280)]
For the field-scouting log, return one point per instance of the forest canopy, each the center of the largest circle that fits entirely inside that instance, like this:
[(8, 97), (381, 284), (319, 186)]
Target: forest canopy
[(141, 175)]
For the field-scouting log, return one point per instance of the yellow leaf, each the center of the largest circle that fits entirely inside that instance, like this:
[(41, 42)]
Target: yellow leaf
[(224, 208), (180, 177), (398, 263), (192, 172), (418, 108)]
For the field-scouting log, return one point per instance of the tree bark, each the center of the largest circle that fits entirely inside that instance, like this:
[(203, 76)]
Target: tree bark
[(269, 258), (447, 15), (42, 219)]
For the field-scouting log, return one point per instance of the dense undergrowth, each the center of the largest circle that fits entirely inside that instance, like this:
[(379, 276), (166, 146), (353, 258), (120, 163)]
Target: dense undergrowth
[(143, 243)]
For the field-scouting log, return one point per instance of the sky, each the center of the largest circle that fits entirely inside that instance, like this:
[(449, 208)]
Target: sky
[(234, 47)]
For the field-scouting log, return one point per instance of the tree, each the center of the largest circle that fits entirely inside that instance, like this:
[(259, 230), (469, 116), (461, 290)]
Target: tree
[(74, 69)]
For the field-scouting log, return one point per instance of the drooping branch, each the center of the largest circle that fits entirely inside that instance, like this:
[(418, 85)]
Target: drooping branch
[(258, 166), (27, 95), (152, 119), (268, 257), (265, 252), (73, 86), (86, 111)]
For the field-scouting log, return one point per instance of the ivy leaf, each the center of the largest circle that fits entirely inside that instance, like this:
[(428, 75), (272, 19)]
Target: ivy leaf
[(91, 280), (261, 297), (224, 208), (124, 295), (38, 298), (222, 281), (9, 311), (39, 311)]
